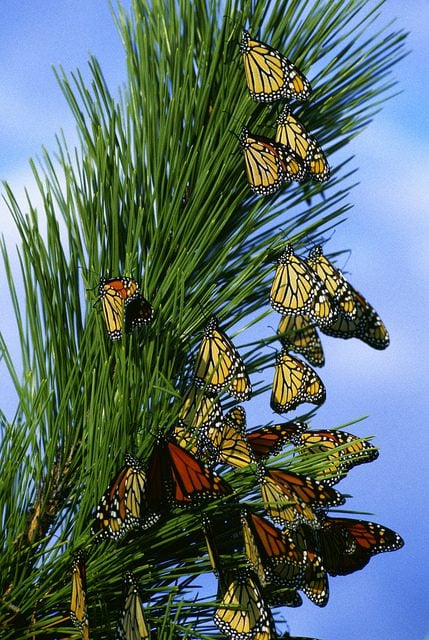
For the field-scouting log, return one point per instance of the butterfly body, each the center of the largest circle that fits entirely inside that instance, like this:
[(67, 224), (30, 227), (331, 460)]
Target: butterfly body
[(179, 479), (241, 612), (338, 287), (229, 440), (292, 498), (345, 451)]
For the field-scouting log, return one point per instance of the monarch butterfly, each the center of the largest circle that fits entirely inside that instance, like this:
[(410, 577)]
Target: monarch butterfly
[(314, 581), (270, 75), (297, 291), (240, 386), (113, 293), (345, 451), (189, 439), (78, 604), (218, 363), (132, 624), (199, 409), (268, 163), (229, 440), (295, 382), (269, 441), (241, 612), (176, 477), (267, 548), (347, 545), (125, 504), (298, 334), (367, 325), (291, 498), (291, 132), (138, 312), (197, 412), (340, 290)]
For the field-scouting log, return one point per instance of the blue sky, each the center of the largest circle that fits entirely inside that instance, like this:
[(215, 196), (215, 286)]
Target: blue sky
[(388, 232)]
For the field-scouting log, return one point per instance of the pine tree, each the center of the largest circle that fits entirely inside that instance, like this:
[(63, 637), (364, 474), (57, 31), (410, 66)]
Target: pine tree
[(156, 191)]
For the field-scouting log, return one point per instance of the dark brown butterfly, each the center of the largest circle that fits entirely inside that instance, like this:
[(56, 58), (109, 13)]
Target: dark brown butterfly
[(347, 545), (138, 312)]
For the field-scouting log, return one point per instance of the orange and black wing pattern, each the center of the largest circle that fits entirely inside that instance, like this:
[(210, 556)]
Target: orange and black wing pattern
[(268, 163), (198, 413), (125, 504), (297, 291), (229, 442), (269, 441), (367, 325), (241, 612), (270, 552), (292, 499), (269, 74), (177, 477), (218, 361), (292, 133), (78, 604), (299, 334), (113, 294), (295, 382), (344, 450), (347, 544), (339, 289)]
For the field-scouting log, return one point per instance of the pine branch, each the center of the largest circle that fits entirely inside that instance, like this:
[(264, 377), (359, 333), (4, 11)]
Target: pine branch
[(156, 190)]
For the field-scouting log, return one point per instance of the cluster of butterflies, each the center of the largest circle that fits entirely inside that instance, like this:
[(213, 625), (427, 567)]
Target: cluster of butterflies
[(294, 545), (294, 154), (290, 544), (312, 294)]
